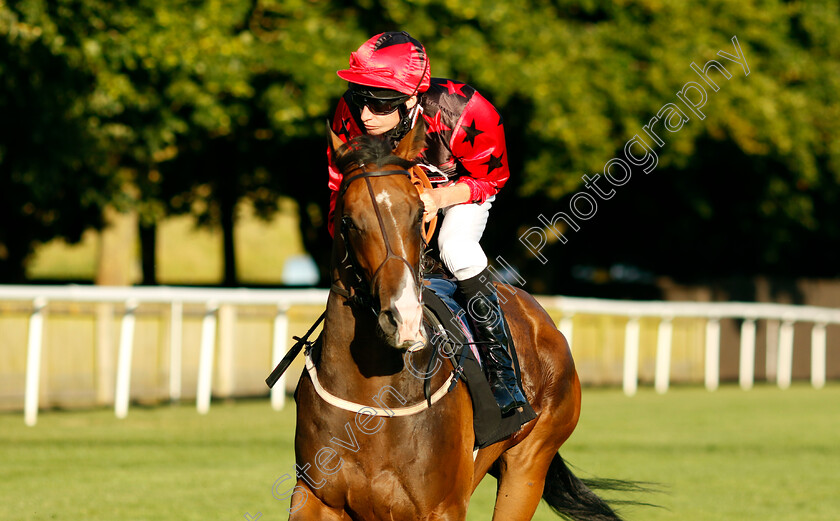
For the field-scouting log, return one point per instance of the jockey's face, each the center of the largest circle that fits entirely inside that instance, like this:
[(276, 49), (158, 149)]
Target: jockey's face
[(376, 124)]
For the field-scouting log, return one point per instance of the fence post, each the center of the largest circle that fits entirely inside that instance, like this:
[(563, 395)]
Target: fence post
[(663, 355), (712, 353), (124, 360), (785, 366), (278, 350), (746, 371), (33, 361), (818, 355), (205, 361), (631, 356)]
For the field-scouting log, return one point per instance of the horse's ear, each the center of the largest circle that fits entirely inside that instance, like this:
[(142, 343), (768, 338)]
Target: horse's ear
[(413, 143), (333, 141)]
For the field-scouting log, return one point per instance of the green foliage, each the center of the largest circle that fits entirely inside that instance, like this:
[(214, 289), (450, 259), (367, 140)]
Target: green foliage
[(751, 188), (188, 107), (53, 174), (193, 104)]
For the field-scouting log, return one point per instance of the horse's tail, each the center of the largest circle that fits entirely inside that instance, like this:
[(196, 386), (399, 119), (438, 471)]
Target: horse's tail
[(573, 498)]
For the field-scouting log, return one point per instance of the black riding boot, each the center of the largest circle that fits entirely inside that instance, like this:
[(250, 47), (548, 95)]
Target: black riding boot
[(482, 304)]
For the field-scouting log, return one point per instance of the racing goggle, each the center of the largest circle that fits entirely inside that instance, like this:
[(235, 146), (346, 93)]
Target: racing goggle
[(377, 106)]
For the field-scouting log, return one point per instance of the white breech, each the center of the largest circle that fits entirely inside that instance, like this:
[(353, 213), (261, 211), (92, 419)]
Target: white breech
[(460, 230)]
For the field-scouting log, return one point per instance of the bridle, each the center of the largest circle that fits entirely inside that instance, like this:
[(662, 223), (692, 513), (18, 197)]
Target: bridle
[(359, 293), (361, 289)]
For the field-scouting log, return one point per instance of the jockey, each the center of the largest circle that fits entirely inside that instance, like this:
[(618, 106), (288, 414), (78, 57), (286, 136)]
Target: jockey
[(390, 87)]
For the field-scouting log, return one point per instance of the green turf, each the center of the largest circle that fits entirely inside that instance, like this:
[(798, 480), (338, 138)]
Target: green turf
[(729, 455)]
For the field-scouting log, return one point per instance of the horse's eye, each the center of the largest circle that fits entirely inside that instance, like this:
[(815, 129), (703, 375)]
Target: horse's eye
[(348, 223)]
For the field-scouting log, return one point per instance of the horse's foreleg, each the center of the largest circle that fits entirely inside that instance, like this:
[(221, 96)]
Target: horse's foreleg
[(308, 507)]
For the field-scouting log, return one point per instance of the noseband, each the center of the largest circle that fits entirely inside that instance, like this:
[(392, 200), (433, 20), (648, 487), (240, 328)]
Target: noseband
[(362, 289)]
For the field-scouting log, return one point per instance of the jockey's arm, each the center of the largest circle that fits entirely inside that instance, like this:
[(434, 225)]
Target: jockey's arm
[(444, 197)]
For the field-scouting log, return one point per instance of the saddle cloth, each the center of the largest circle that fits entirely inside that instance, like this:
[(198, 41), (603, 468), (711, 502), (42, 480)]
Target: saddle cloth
[(488, 423)]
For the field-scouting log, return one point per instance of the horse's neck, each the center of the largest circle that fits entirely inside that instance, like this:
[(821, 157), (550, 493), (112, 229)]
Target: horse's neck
[(355, 363), (352, 351)]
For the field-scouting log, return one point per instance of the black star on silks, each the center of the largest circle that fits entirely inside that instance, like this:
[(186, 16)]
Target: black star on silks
[(471, 133), (493, 163), (344, 131)]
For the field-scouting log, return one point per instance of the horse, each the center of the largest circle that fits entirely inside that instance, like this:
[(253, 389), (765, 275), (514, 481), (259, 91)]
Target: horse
[(353, 464)]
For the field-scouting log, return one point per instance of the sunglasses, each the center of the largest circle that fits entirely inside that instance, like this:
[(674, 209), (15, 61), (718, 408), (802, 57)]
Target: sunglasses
[(377, 106)]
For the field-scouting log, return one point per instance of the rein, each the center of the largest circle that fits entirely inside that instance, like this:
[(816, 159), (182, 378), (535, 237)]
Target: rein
[(360, 293)]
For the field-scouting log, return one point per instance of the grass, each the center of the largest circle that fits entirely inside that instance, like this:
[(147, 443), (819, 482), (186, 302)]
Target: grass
[(732, 455)]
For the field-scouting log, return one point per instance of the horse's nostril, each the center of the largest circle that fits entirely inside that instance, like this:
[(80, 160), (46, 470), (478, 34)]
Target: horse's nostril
[(388, 323), (395, 314)]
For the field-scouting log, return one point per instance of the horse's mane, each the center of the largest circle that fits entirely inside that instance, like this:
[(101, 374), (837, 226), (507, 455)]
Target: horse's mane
[(368, 151), (376, 151)]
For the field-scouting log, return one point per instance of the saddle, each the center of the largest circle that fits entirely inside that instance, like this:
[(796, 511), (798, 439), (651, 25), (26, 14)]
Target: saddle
[(451, 334)]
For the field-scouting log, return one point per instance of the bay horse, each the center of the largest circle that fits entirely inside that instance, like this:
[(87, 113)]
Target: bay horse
[(352, 465)]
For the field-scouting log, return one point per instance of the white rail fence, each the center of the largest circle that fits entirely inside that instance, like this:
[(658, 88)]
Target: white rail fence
[(713, 312), (217, 302)]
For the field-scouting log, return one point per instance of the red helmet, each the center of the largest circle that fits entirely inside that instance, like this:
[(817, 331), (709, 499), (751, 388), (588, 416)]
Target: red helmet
[(392, 60)]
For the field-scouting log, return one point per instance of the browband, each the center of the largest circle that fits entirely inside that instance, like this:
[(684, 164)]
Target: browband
[(345, 183)]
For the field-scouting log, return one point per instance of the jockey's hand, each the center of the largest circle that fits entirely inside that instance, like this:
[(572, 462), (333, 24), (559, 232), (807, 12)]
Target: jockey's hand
[(444, 197), (430, 204)]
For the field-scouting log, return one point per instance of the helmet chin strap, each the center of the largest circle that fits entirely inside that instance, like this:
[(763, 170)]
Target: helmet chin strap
[(407, 119)]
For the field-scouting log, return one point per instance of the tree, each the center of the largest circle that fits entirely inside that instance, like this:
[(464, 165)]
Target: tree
[(53, 171), (189, 107), (195, 105), (751, 188), (217, 101)]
